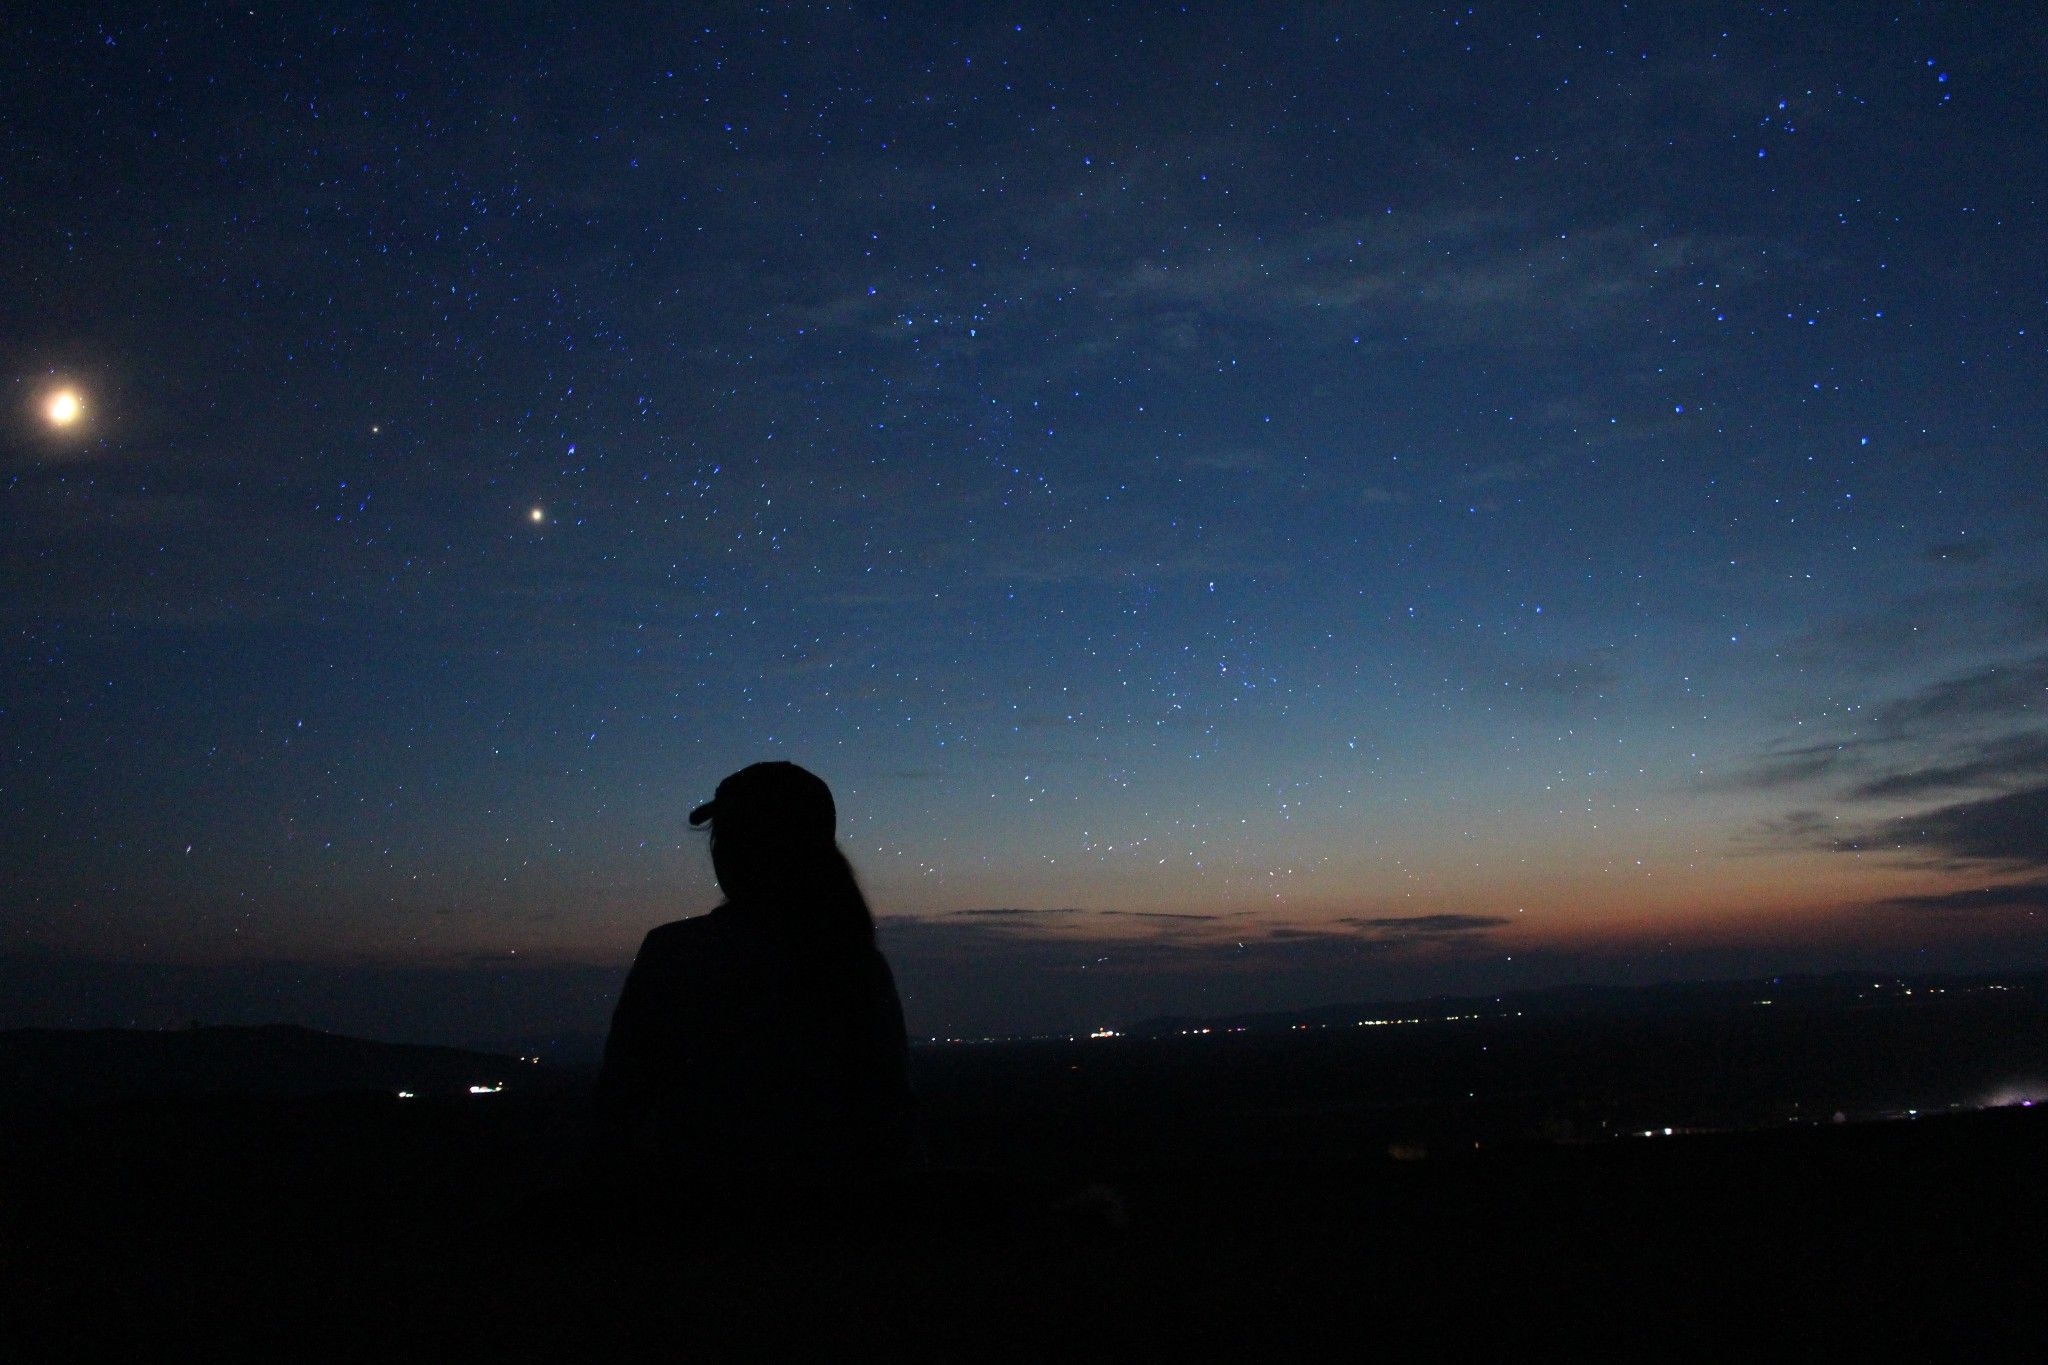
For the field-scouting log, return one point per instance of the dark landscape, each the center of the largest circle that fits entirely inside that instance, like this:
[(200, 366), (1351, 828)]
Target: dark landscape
[(1675, 1167)]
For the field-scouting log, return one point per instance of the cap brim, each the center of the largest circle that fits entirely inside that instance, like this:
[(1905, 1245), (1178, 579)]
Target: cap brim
[(702, 814)]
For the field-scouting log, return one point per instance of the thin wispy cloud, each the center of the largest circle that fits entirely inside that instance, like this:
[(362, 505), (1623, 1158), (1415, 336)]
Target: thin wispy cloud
[(2025, 895), (1417, 928), (1976, 734)]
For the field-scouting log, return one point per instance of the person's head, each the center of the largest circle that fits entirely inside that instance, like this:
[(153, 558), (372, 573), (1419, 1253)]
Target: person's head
[(772, 848)]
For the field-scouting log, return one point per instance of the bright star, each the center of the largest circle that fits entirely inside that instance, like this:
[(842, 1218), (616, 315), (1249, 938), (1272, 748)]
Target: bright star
[(538, 516), (64, 408)]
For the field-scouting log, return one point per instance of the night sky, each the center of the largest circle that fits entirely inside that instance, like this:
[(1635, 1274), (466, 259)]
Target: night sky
[(1246, 505)]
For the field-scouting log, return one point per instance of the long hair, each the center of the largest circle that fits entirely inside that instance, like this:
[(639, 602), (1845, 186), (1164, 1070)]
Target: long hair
[(803, 888)]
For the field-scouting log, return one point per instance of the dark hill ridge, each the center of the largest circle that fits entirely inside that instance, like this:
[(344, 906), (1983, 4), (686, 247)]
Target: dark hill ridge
[(50, 1068), (1834, 990)]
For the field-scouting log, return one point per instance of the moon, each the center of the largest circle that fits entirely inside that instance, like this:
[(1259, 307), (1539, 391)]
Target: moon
[(64, 407)]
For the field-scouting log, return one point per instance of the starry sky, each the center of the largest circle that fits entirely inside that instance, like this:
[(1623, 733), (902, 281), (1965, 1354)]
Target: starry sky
[(1247, 505)]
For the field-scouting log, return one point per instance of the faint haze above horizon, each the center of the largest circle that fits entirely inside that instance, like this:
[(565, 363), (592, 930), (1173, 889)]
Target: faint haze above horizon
[(1262, 505)]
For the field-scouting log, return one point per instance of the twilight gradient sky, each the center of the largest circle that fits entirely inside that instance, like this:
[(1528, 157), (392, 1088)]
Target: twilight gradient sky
[(1263, 504)]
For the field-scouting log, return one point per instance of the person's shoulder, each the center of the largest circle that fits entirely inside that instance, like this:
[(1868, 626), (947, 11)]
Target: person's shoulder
[(681, 935)]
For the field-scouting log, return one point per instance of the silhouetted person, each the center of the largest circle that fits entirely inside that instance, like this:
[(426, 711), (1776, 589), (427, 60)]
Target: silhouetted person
[(765, 1037)]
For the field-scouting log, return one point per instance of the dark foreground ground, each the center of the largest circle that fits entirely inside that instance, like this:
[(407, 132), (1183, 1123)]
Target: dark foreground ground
[(1448, 1187), (368, 1228)]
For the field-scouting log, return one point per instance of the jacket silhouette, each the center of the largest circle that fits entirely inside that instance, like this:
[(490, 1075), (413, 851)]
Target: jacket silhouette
[(766, 1036)]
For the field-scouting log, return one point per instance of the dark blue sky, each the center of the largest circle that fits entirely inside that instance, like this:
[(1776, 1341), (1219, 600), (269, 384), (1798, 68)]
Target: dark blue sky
[(1278, 501)]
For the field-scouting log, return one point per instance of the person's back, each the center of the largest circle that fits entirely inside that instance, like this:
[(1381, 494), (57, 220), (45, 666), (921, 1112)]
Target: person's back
[(766, 1035), (734, 1044)]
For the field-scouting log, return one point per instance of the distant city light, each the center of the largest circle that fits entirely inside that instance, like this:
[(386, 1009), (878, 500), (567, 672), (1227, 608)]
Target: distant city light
[(2017, 1095), (487, 1089)]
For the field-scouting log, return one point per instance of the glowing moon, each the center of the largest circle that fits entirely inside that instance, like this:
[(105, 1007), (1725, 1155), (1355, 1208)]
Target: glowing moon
[(64, 408)]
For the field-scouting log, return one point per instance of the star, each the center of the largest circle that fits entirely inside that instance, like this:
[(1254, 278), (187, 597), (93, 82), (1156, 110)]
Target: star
[(537, 516)]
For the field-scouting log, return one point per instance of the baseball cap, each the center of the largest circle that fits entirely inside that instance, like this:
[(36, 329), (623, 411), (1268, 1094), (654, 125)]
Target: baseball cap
[(766, 795)]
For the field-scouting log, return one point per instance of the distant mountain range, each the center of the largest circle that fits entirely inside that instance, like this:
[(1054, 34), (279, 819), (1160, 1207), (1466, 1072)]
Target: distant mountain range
[(55, 1068), (48, 1068), (1832, 990)]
